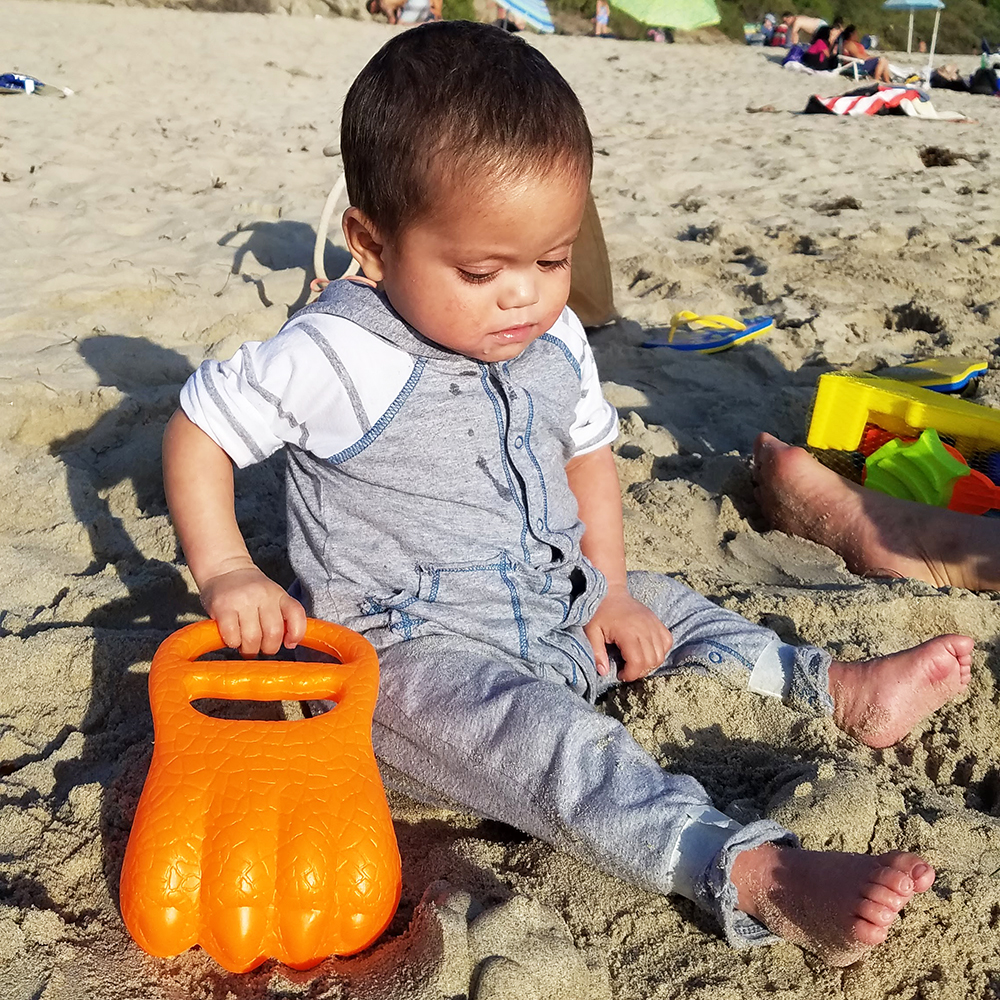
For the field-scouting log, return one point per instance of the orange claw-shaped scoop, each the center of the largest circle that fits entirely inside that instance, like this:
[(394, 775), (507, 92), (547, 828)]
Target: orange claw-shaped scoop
[(261, 840)]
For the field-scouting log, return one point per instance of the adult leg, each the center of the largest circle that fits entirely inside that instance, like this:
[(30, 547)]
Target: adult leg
[(877, 535)]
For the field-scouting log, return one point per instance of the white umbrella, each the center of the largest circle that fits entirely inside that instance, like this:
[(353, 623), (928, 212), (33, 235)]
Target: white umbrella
[(911, 5)]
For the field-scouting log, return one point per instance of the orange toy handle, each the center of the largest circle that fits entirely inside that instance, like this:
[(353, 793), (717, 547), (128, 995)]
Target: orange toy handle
[(177, 677)]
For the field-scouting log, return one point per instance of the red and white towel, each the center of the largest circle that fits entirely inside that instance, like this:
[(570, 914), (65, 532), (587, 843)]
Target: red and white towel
[(888, 100)]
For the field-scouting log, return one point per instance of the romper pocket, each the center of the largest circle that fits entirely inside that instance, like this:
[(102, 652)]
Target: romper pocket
[(500, 601), (398, 612)]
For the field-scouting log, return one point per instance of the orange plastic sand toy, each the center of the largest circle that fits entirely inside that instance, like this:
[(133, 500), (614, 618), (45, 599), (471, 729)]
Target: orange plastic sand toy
[(258, 839)]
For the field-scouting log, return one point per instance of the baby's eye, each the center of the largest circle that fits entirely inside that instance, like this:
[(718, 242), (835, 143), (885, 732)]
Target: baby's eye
[(554, 265), (476, 279)]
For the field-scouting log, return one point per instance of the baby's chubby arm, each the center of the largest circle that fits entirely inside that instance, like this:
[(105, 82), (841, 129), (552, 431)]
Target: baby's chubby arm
[(643, 639), (252, 611)]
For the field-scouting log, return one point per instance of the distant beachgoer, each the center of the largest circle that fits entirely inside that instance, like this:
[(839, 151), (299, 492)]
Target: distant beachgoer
[(602, 17), (874, 533), (796, 23), (873, 66), (508, 20), (388, 8), (406, 11), (822, 53), (419, 11)]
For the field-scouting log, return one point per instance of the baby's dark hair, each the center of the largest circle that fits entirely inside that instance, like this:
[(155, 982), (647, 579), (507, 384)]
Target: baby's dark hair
[(446, 102)]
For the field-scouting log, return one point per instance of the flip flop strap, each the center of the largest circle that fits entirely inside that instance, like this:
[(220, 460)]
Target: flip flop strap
[(713, 322)]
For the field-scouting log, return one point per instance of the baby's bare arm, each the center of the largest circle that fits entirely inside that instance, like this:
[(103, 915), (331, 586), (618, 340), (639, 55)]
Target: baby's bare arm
[(252, 611), (640, 636)]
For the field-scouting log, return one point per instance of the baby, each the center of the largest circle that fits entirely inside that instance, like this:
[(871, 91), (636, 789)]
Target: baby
[(452, 495)]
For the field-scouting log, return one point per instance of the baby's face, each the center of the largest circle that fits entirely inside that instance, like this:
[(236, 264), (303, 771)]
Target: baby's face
[(487, 272)]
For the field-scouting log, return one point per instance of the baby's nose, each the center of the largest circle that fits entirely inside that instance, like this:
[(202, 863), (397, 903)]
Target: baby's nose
[(519, 292)]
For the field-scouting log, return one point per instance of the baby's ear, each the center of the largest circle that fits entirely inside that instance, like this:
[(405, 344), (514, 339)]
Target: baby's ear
[(364, 242)]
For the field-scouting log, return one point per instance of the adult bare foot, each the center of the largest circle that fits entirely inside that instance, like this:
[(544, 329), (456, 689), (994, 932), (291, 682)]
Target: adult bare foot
[(836, 905), (875, 534), (879, 701)]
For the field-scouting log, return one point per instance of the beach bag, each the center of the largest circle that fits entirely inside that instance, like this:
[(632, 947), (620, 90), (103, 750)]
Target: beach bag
[(591, 292), (795, 54)]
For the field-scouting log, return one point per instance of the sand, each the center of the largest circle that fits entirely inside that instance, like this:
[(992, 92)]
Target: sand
[(165, 213)]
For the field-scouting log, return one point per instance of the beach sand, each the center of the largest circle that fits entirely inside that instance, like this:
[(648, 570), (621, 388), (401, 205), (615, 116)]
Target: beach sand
[(165, 213)]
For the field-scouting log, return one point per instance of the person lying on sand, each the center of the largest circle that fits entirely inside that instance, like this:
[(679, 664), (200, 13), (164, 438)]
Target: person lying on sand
[(452, 495), (875, 534)]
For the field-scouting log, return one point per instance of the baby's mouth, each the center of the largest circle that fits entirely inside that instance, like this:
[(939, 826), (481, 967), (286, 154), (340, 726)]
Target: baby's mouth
[(516, 333)]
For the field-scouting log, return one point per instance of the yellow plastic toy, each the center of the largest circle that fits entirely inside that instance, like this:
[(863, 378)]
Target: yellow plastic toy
[(261, 839), (846, 402), (939, 374)]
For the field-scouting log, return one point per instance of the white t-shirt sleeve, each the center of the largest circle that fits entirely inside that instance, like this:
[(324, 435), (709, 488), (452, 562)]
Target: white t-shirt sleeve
[(596, 421), (320, 384)]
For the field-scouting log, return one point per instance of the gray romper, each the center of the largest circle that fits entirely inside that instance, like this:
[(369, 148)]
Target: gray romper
[(429, 510)]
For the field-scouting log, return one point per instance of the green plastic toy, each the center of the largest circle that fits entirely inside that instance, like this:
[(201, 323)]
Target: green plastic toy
[(920, 470)]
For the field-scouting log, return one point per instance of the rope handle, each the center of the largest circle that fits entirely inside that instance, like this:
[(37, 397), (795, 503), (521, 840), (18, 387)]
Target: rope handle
[(319, 268)]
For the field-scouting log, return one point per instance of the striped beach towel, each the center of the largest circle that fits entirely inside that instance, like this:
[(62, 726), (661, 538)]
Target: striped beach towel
[(881, 101)]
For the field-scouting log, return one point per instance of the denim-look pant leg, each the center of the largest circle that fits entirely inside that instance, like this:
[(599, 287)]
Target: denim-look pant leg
[(711, 640), (714, 641), (460, 723)]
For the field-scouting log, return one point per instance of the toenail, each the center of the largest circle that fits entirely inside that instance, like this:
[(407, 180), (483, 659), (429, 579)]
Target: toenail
[(906, 884)]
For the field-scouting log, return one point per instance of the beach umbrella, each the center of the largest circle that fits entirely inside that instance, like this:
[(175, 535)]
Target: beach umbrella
[(686, 15), (911, 5), (532, 12)]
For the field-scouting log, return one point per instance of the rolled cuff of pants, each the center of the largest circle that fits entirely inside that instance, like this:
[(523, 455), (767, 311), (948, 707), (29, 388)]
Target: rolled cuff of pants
[(810, 683), (798, 675), (705, 853)]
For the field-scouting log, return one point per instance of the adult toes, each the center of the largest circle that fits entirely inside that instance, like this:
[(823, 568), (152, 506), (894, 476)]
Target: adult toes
[(763, 451)]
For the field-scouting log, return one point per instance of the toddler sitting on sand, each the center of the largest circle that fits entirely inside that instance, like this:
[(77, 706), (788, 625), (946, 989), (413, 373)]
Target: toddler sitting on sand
[(452, 495)]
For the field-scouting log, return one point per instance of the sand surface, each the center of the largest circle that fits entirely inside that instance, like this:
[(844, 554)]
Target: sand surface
[(165, 213)]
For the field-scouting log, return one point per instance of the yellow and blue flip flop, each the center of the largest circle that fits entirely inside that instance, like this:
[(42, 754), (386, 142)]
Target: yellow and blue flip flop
[(939, 374), (708, 334)]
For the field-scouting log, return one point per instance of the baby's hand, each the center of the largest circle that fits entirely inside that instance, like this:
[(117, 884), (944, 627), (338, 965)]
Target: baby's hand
[(253, 613), (643, 639)]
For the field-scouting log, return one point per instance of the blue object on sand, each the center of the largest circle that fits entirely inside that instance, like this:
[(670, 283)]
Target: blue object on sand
[(708, 334), (19, 83)]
